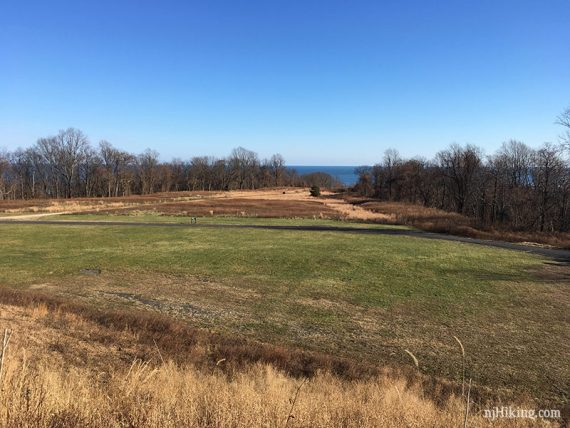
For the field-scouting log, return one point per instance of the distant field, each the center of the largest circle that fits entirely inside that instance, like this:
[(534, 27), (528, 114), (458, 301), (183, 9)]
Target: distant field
[(287, 202), (153, 217), (238, 207), (358, 296), (39, 204), (273, 203)]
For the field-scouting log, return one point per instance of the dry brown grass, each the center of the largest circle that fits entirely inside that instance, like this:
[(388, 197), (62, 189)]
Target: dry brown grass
[(82, 204), (239, 207), (273, 202), (278, 202), (63, 369), (170, 395), (152, 198), (439, 221), (177, 340)]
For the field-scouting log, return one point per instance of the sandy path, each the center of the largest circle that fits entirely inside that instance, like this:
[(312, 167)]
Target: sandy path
[(32, 216)]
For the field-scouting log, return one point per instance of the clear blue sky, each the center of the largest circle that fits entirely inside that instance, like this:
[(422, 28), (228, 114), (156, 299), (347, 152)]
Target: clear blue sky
[(321, 82)]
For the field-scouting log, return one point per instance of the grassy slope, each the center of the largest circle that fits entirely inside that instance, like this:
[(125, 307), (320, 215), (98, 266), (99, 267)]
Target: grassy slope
[(354, 295), (73, 367)]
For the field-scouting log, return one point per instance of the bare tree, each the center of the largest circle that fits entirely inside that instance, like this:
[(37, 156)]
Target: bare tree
[(62, 155), (148, 171), (564, 120), (391, 162), (89, 173), (220, 174), (460, 165), (199, 174), (4, 167), (243, 165), (510, 170), (277, 169), (115, 164), (548, 170)]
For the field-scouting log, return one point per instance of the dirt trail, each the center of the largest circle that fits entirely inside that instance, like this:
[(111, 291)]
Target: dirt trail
[(33, 216)]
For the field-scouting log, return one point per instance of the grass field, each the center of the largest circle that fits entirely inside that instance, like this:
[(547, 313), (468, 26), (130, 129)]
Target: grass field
[(356, 296)]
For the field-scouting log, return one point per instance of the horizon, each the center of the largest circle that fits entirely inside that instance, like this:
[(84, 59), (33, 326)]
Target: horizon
[(323, 86)]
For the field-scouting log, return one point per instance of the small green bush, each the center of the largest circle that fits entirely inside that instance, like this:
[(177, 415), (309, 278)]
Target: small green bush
[(315, 191)]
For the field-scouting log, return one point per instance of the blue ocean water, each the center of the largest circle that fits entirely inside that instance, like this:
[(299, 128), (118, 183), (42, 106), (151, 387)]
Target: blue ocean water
[(345, 174)]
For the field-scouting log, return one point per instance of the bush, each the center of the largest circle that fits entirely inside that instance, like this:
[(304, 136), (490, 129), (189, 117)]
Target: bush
[(315, 191)]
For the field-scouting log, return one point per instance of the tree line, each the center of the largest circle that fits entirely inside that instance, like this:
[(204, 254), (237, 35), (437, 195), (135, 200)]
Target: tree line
[(67, 165), (517, 187)]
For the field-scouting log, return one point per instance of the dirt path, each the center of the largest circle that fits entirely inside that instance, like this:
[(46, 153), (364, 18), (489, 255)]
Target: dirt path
[(562, 256), (33, 216)]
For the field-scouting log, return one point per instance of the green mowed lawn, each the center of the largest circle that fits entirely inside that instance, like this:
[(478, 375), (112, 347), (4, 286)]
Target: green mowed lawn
[(360, 296)]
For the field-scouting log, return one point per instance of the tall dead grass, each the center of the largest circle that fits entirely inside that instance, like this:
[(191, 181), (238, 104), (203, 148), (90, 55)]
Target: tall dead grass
[(150, 372), (168, 395), (439, 221)]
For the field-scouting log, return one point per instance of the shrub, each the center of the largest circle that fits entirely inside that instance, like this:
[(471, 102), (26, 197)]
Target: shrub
[(315, 191)]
